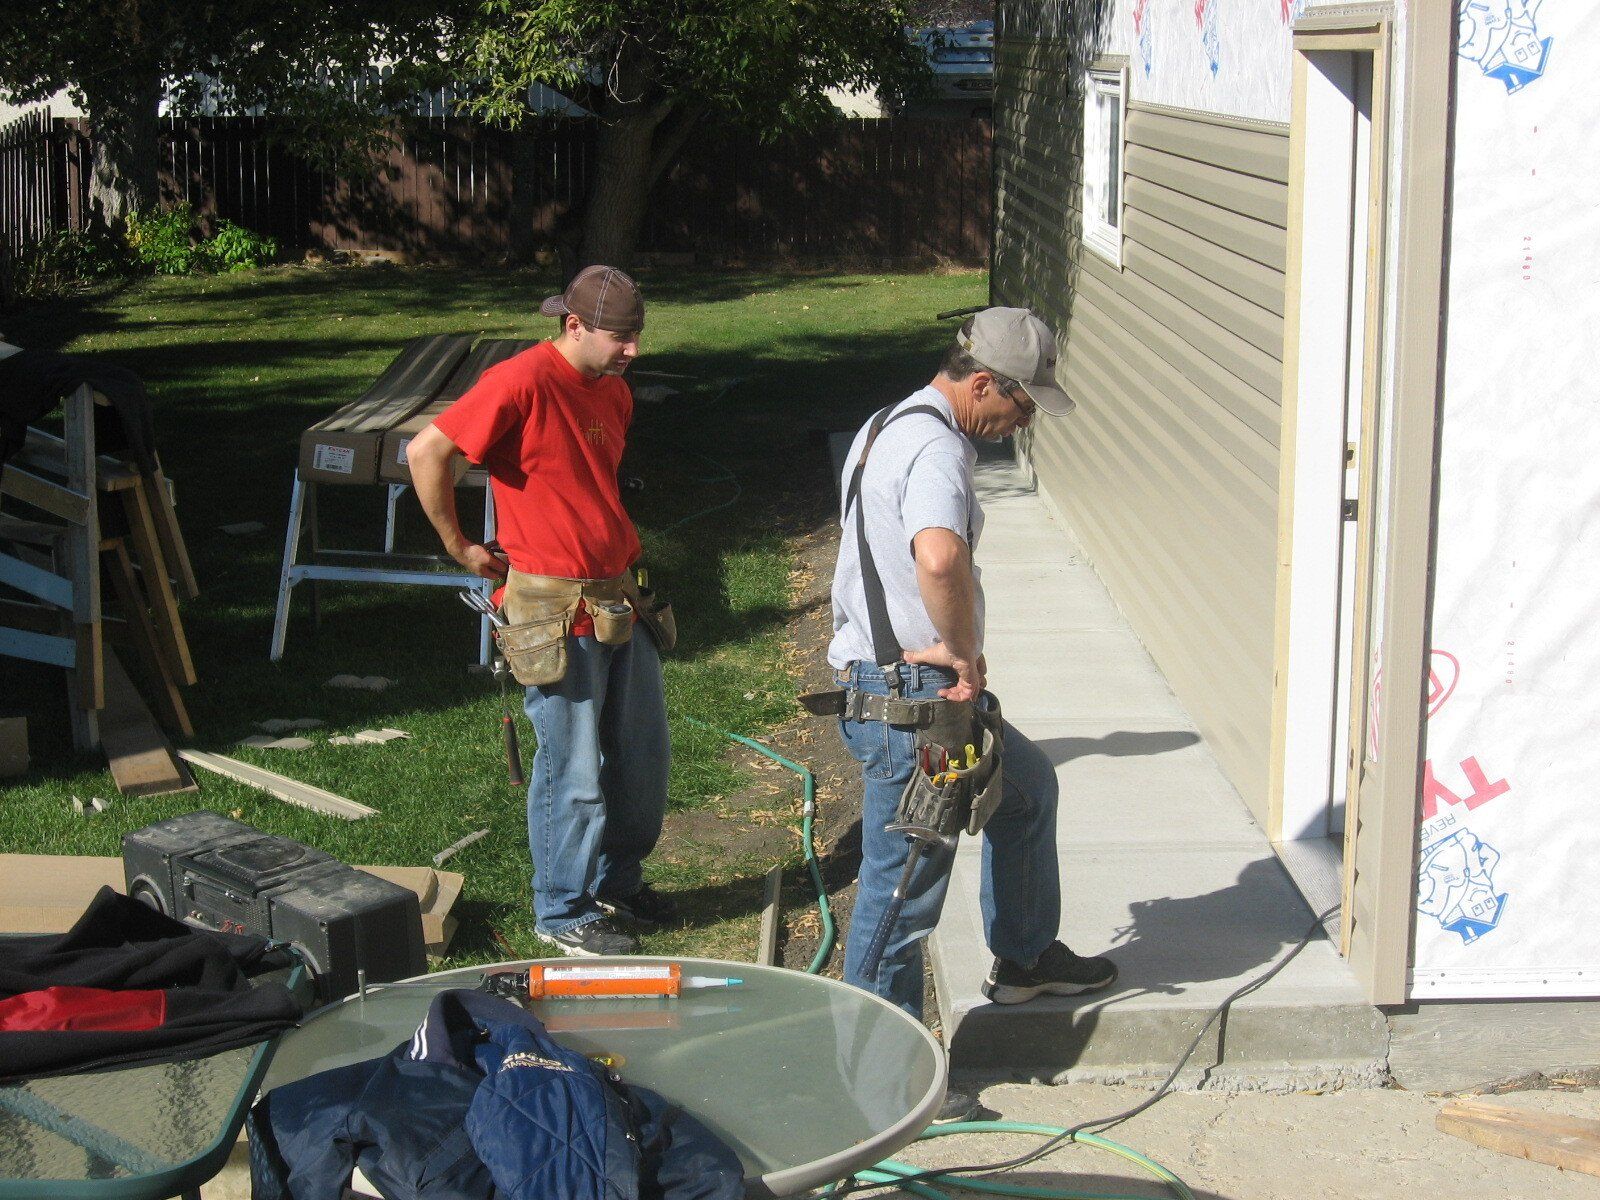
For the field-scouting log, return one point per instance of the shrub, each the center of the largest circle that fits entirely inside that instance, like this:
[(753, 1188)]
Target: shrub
[(235, 248), (66, 258), (163, 242)]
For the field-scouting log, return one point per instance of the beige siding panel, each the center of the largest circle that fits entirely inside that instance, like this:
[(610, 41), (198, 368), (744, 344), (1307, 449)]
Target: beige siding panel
[(1259, 403), (1260, 327), (1246, 151), (1261, 241), (1176, 467), (1248, 280), (1191, 655), (1261, 199), (1199, 412), (1168, 473)]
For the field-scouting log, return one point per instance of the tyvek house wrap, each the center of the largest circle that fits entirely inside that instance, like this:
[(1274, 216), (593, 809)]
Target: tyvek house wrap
[(1510, 815)]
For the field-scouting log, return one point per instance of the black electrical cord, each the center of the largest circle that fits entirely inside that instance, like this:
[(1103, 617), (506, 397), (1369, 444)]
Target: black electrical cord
[(850, 1188)]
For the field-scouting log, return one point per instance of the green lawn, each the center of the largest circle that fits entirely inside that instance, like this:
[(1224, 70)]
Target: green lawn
[(239, 365)]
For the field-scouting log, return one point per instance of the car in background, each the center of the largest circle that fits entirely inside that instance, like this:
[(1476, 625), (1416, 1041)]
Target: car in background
[(962, 59)]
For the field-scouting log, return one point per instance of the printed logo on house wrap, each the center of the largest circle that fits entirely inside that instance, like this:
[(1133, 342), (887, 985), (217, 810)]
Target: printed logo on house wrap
[(1502, 38), (1455, 871), (1143, 35), (1456, 885), (521, 1058), (1205, 17)]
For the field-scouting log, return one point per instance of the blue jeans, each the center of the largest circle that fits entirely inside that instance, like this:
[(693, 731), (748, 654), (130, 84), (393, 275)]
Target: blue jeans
[(598, 788), (1020, 893)]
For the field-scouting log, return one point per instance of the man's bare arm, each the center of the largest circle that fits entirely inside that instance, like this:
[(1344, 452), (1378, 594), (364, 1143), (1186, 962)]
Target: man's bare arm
[(944, 579), (429, 455)]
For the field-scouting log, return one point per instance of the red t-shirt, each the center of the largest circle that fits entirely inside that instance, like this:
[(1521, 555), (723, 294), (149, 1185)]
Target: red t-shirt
[(551, 440)]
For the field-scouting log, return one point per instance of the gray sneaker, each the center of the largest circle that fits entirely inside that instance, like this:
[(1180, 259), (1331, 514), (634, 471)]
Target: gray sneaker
[(592, 939), (1059, 972)]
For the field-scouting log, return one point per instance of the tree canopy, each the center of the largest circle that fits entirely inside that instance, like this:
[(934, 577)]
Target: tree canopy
[(651, 70), (306, 63)]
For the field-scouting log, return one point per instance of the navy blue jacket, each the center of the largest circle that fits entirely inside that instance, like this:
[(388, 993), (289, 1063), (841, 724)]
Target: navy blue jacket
[(482, 1104)]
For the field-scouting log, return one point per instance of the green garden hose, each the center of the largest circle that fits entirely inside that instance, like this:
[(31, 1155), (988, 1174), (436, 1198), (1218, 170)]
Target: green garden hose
[(808, 815), (891, 1172)]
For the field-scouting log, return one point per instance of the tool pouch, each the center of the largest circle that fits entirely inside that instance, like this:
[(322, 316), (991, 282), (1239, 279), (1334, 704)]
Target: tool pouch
[(536, 651), (540, 609), (656, 614), (969, 795), (613, 621)]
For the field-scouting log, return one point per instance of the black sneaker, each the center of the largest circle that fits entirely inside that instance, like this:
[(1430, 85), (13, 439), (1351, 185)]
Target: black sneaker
[(957, 1106), (645, 907), (592, 939), (1059, 971)]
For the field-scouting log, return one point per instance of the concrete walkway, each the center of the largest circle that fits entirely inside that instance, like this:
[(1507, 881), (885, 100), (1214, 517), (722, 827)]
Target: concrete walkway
[(1163, 867)]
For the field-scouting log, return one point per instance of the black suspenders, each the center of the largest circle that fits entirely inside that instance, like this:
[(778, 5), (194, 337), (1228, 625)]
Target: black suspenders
[(886, 649)]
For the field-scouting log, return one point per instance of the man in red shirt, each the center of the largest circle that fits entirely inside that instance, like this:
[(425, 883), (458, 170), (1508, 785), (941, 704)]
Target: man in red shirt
[(549, 426)]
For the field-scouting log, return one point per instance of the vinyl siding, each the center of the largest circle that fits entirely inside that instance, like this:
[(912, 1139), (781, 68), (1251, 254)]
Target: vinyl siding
[(1168, 472)]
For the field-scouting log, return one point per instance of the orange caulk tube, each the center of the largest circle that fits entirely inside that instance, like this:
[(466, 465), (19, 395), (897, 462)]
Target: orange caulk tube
[(645, 979)]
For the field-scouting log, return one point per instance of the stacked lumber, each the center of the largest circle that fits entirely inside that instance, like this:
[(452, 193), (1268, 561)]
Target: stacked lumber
[(71, 521)]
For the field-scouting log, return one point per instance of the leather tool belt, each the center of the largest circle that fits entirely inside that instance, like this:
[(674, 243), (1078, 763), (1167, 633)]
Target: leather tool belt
[(539, 612), (964, 797)]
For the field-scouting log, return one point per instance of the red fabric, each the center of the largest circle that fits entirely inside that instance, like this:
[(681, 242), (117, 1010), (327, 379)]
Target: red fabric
[(552, 441), (59, 1009)]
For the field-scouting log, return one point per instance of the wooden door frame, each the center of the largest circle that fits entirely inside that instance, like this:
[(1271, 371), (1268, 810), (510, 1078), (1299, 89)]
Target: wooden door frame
[(1381, 834)]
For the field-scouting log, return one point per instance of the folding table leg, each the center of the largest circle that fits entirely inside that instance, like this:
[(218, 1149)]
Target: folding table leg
[(291, 547), (316, 544), (396, 490)]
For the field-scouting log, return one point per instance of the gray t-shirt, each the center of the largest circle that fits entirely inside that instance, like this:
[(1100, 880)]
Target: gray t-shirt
[(919, 476)]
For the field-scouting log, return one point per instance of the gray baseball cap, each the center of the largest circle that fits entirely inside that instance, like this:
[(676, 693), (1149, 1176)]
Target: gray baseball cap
[(1015, 343)]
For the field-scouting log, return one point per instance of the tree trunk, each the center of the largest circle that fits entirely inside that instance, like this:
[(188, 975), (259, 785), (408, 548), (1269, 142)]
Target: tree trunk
[(619, 188), (125, 127)]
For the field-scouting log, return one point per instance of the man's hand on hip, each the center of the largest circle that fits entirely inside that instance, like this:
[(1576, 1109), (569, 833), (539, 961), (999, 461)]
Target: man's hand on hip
[(481, 560), (969, 675)]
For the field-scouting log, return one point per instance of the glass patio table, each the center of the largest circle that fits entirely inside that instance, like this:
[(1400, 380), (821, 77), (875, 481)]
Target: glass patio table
[(807, 1079)]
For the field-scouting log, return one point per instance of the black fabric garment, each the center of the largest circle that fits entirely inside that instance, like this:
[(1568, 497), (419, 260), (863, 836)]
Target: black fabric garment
[(211, 1002), (33, 382)]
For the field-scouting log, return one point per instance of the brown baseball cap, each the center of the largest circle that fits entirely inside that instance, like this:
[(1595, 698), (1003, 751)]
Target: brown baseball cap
[(602, 298)]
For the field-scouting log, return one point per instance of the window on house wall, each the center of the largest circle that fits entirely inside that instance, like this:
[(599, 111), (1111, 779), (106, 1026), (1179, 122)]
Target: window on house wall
[(1104, 108)]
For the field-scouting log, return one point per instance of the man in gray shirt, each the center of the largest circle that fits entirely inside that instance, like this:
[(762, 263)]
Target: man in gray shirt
[(908, 622)]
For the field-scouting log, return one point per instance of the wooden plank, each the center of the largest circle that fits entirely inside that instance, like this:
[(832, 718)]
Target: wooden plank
[(767, 951), (36, 582), (174, 550), (47, 452), (163, 603), (141, 758), (1570, 1143), (44, 494), (281, 786), (38, 647), (83, 554), (119, 567)]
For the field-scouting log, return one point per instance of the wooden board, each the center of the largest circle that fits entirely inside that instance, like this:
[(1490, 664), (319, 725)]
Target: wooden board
[(153, 568), (1570, 1143), (141, 758), (173, 548), (118, 567), (281, 786)]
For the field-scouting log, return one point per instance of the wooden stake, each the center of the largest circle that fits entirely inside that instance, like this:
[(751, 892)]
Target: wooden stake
[(281, 786)]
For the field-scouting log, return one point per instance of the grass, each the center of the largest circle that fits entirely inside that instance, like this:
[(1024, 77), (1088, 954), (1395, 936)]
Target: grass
[(239, 365)]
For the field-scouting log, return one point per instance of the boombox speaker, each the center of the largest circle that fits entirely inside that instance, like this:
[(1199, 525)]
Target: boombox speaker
[(221, 874)]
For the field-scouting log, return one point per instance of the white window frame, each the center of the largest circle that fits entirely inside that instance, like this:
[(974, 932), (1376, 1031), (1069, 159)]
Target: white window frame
[(1102, 230)]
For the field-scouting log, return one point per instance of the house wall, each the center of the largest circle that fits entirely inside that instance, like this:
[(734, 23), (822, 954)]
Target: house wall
[(1168, 471), (1508, 836)]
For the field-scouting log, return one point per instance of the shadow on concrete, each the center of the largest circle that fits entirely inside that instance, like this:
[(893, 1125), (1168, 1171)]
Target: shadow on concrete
[(1170, 945), (1121, 743)]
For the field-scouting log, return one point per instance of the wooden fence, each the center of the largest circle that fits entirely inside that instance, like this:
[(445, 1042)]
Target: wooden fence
[(906, 188)]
